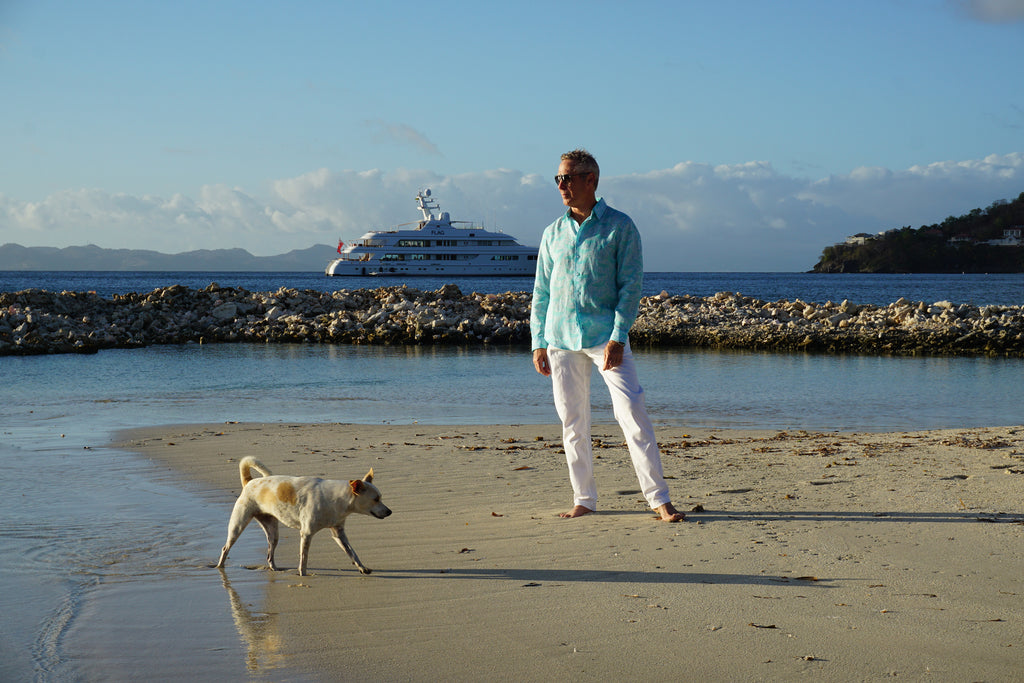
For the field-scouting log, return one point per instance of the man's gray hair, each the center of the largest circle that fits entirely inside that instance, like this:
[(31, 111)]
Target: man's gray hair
[(583, 162)]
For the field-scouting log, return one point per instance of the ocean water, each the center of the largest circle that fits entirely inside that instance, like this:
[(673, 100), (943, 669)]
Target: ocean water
[(100, 554), (1002, 289)]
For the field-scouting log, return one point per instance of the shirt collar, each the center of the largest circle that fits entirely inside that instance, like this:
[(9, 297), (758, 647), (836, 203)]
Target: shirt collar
[(596, 213)]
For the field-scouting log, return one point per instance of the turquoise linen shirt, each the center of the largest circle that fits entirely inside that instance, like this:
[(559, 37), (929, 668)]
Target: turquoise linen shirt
[(588, 282)]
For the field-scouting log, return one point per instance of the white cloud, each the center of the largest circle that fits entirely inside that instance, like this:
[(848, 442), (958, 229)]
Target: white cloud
[(404, 135), (924, 194), (693, 217), (744, 217), (993, 11)]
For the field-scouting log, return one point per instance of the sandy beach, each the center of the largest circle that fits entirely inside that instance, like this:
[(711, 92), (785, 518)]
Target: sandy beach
[(831, 556)]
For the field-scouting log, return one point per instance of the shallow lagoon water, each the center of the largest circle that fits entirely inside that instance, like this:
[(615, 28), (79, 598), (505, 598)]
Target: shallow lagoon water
[(380, 384)]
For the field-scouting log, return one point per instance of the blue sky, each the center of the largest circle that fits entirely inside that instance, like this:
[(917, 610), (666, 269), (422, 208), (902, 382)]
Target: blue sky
[(740, 135)]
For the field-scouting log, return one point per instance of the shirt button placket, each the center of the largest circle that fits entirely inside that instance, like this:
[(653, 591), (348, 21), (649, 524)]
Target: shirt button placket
[(577, 277)]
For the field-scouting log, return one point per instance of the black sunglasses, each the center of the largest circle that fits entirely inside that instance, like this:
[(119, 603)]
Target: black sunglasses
[(559, 179)]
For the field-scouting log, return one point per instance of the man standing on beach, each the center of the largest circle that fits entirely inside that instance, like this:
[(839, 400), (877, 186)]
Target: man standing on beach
[(586, 296)]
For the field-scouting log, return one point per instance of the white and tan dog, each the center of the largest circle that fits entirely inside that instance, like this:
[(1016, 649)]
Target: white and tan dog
[(308, 504)]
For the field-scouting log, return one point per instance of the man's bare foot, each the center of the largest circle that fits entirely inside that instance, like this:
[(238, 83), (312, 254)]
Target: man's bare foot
[(577, 511), (668, 513)]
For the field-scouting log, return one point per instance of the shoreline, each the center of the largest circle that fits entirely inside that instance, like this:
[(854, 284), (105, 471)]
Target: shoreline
[(846, 555)]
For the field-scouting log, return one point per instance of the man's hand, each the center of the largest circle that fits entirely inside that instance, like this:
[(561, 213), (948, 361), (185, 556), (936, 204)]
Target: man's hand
[(613, 352), (540, 361)]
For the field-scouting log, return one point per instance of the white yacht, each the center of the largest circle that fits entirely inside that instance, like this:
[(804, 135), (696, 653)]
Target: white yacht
[(436, 245)]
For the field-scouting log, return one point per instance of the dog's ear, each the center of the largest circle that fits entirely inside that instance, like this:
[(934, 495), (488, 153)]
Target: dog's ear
[(357, 485), (369, 476)]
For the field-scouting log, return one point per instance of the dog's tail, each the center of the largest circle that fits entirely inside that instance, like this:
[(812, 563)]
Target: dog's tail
[(247, 465)]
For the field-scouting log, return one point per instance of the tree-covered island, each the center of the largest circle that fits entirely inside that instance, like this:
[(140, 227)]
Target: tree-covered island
[(983, 241)]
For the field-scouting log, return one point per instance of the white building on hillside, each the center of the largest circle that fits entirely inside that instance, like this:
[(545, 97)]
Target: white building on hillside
[(1011, 238), (859, 238)]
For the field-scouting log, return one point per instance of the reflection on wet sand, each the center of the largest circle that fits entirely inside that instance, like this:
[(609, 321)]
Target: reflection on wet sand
[(258, 631)]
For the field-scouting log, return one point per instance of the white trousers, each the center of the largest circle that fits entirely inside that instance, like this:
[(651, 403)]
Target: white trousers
[(570, 379)]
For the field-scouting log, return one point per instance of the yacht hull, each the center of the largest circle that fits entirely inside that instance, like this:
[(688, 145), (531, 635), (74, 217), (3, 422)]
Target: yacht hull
[(343, 267)]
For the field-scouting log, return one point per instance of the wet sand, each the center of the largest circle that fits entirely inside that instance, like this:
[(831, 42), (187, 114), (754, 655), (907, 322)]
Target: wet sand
[(847, 556)]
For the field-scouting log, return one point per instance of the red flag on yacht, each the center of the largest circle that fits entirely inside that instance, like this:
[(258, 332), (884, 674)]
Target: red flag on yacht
[(340, 245)]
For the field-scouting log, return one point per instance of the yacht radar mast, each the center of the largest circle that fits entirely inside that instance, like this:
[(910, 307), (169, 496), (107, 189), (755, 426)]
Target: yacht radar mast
[(426, 204)]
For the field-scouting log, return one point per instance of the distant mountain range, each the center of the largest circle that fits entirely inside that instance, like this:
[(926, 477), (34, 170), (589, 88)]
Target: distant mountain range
[(90, 257)]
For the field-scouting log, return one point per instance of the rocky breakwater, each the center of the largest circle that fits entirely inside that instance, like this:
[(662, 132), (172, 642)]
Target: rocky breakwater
[(733, 321), (38, 321)]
